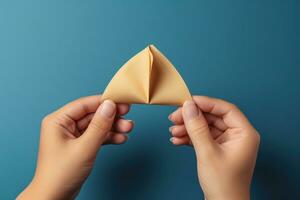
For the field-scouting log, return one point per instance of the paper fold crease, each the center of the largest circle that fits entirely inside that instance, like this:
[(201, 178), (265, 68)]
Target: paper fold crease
[(147, 78)]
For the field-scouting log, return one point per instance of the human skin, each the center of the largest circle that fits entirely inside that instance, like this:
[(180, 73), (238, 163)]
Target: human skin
[(225, 143), (69, 142)]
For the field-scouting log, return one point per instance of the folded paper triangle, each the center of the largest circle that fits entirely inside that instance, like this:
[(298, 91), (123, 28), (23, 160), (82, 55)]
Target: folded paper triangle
[(147, 78)]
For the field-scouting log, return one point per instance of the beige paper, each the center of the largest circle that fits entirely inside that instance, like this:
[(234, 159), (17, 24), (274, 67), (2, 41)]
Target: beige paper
[(147, 78)]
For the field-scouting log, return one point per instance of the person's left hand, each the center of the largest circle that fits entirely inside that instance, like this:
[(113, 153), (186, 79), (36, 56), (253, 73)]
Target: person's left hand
[(69, 141)]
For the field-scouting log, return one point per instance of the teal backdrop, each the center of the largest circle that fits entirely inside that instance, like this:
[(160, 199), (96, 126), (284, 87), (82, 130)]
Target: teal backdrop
[(247, 52)]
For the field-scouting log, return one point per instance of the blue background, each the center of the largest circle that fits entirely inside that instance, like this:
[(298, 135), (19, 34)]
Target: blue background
[(247, 52)]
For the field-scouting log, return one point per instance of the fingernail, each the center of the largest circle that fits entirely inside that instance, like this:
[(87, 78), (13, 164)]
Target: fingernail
[(131, 121), (107, 108), (171, 140), (170, 117), (126, 136), (190, 109), (171, 128)]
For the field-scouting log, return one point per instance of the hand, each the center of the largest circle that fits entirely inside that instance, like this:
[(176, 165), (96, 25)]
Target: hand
[(69, 142), (225, 143)]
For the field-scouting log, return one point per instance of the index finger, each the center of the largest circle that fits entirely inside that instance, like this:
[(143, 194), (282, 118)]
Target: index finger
[(231, 115), (83, 106)]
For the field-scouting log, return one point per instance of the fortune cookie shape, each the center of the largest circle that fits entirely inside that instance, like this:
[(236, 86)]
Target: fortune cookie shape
[(147, 78)]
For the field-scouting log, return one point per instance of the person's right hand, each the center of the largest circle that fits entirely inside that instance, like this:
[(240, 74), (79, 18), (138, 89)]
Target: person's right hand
[(225, 143)]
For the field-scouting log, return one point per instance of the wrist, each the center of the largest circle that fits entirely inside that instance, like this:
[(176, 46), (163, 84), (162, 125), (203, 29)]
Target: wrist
[(235, 194), (38, 190), (35, 191)]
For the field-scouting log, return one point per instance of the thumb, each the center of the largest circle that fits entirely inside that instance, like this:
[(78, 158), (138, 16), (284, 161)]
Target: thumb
[(100, 125), (197, 128)]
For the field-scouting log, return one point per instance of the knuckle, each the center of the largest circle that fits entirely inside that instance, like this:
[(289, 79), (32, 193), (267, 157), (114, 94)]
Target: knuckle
[(232, 106), (46, 120), (257, 137), (81, 98), (220, 100), (253, 136)]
